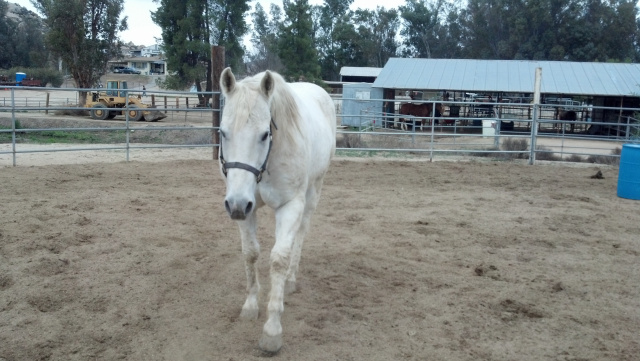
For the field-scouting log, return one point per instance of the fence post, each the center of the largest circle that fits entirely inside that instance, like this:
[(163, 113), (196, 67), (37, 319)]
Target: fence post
[(217, 65), (432, 140), (127, 131), (13, 125), (536, 110)]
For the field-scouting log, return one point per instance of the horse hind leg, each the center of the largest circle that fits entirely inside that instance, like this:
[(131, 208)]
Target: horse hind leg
[(313, 196), (251, 251)]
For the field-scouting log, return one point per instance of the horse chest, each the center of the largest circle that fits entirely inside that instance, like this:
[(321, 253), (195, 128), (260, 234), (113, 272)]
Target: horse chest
[(275, 196)]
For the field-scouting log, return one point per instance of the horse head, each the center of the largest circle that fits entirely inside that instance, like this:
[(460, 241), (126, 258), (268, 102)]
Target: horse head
[(245, 139)]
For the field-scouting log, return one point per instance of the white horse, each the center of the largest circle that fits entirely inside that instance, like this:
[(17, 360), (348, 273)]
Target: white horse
[(277, 140)]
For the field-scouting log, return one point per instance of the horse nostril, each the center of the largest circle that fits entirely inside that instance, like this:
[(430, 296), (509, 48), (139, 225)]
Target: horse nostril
[(249, 208), (226, 205)]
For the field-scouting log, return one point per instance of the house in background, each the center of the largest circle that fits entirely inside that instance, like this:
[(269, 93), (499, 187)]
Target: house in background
[(151, 51), (151, 65)]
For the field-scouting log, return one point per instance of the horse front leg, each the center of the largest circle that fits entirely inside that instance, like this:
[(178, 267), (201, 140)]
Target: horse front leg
[(250, 251), (288, 219)]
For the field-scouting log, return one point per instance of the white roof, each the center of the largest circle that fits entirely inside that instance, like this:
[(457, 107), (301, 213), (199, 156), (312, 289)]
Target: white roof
[(359, 71), (512, 76)]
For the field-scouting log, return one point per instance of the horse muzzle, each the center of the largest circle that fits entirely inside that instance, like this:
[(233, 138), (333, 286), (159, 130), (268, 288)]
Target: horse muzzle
[(238, 209)]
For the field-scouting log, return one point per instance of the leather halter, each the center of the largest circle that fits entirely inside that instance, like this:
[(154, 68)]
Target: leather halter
[(258, 172)]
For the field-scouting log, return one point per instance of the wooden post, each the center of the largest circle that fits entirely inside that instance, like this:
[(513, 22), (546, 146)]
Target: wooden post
[(153, 100), (217, 65), (47, 111)]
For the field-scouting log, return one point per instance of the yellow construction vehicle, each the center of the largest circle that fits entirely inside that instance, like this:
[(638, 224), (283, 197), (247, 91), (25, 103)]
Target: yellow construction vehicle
[(107, 104)]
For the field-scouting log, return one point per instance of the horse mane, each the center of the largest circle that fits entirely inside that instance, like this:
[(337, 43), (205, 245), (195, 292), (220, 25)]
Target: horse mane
[(284, 109), (285, 113)]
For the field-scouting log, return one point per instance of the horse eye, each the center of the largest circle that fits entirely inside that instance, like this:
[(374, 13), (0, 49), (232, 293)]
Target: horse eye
[(265, 136)]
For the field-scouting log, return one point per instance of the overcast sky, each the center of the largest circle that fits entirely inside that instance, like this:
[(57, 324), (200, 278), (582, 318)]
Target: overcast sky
[(143, 31)]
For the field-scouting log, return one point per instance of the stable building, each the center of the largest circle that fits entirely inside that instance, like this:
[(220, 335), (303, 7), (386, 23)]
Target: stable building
[(610, 85)]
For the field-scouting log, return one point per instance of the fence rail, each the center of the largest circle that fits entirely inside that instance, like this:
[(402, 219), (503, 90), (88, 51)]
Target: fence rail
[(467, 129)]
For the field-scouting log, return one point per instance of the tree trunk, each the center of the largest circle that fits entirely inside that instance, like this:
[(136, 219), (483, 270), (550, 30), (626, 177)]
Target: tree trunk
[(82, 98)]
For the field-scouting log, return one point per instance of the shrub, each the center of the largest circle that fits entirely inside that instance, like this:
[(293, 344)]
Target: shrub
[(350, 141), (575, 158), (520, 145), (613, 159), (543, 153)]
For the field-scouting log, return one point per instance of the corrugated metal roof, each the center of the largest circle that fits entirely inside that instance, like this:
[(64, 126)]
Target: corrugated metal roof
[(359, 71), (512, 76)]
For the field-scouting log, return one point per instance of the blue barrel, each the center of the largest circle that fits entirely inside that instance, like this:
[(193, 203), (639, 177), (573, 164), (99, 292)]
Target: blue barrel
[(629, 173)]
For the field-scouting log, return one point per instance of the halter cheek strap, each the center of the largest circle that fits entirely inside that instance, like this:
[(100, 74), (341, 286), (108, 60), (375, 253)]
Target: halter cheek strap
[(257, 172)]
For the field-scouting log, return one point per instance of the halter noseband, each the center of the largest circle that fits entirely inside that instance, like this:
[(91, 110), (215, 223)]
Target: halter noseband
[(257, 172)]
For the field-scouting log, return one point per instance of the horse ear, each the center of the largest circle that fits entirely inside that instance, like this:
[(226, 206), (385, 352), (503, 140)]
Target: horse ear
[(267, 84), (227, 81)]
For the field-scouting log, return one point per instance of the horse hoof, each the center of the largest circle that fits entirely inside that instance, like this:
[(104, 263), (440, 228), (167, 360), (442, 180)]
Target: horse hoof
[(270, 344), (249, 313), (290, 287)]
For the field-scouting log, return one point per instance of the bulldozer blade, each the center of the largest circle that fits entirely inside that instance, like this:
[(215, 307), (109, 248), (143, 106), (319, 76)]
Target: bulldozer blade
[(153, 115)]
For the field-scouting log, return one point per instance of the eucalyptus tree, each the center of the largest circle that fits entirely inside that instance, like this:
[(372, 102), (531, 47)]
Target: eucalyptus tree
[(335, 36), (485, 28), (426, 30), (84, 35), (578, 30), (608, 31), (347, 49), (377, 31)]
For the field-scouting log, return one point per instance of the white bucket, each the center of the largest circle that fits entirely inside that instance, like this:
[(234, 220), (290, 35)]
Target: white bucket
[(489, 127)]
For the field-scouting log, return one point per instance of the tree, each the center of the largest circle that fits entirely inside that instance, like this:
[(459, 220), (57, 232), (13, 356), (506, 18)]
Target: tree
[(22, 40), (377, 32), (611, 29), (84, 34), (185, 34), (6, 35), (229, 27), (295, 43), (335, 36), (422, 27), (189, 28), (577, 30), (264, 40)]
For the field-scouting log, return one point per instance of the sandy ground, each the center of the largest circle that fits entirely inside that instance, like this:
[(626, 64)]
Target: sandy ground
[(404, 261)]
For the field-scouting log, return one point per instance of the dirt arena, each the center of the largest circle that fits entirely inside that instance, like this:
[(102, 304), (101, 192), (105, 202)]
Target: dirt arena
[(405, 260)]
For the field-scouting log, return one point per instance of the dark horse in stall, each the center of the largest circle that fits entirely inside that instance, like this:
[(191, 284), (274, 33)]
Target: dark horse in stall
[(567, 115), (421, 111)]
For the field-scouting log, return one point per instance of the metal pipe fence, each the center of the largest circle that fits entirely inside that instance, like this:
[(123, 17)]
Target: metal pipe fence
[(493, 129), (20, 119), (466, 129)]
